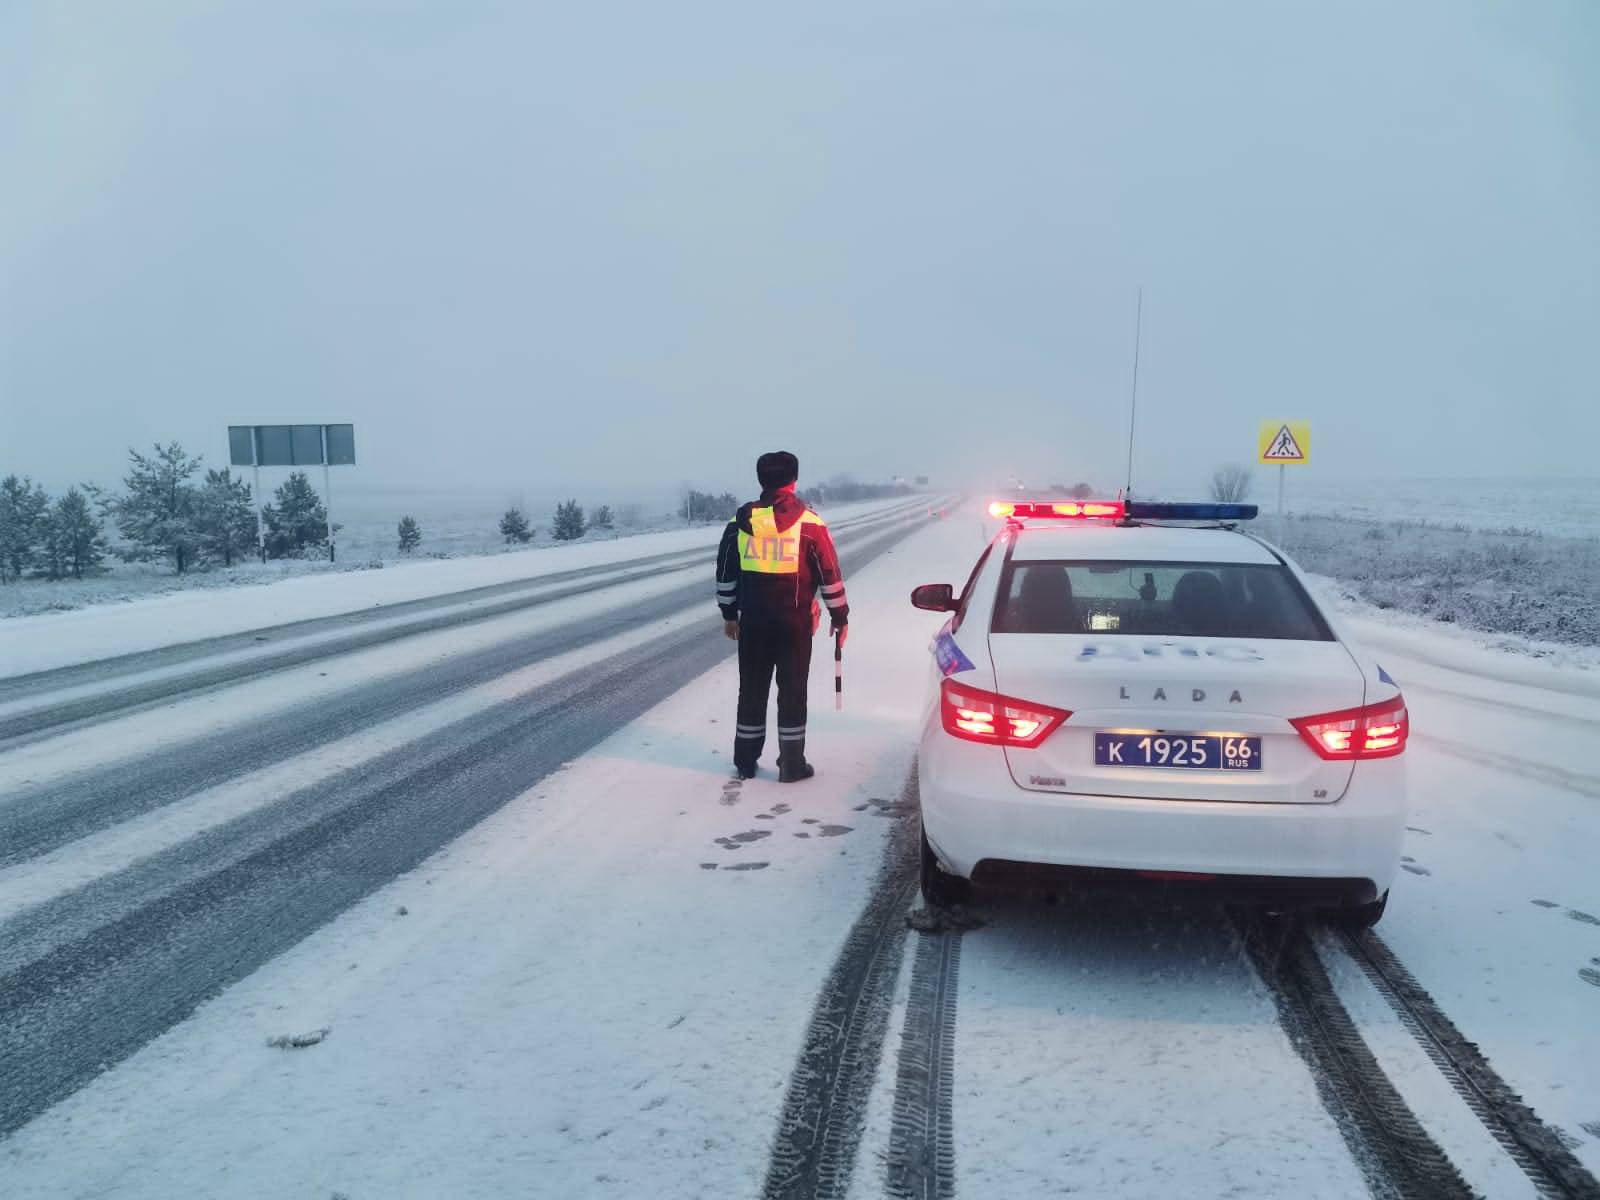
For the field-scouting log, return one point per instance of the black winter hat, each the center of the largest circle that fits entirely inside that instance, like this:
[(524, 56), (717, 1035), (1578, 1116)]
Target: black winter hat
[(777, 469)]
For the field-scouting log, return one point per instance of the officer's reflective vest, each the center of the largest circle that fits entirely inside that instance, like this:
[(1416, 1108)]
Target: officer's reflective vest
[(768, 551)]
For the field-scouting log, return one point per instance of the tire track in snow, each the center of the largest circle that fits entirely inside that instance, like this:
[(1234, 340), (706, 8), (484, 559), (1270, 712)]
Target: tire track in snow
[(820, 1126), (1398, 1157), (1531, 1144), (921, 1139), (1569, 781)]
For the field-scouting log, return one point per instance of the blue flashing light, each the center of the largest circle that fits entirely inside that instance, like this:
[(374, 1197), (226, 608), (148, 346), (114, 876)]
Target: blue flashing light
[(1156, 511)]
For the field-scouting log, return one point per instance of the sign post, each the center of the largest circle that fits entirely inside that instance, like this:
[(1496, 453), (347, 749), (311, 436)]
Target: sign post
[(1284, 443), (260, 446)]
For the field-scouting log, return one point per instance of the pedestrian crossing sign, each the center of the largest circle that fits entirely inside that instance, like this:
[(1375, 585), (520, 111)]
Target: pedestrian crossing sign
[(1285, 442)]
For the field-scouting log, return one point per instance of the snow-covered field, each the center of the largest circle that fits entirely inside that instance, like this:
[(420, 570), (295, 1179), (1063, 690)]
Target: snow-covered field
[(601, 990), (1521, 583), (1553, 507)]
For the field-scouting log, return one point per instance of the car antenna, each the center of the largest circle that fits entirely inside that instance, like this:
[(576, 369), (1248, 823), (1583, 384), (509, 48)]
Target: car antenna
[(1133, 403)]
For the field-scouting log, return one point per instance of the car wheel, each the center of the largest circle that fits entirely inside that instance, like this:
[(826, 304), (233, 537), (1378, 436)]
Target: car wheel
[(940, 889), (1361, 916)]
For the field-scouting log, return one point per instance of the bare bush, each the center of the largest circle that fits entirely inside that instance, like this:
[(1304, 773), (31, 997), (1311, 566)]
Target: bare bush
[(1230, 485)]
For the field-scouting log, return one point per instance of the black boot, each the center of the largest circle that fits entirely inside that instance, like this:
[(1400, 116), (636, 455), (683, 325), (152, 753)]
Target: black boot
[(792, 764)]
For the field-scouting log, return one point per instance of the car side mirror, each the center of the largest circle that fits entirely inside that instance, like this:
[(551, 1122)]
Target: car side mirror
[(935, 597)]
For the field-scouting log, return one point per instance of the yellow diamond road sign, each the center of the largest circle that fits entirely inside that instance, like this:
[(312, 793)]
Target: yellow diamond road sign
[(1285, 442)]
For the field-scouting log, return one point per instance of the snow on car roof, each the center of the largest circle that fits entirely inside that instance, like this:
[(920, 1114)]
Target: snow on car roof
[(1137, 543)]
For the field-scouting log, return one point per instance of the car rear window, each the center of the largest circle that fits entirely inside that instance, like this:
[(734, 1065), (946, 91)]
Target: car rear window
[(1253, 600)]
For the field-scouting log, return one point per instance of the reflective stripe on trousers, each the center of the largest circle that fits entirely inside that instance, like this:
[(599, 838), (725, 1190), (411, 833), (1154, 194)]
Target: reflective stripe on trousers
[(765, 651)]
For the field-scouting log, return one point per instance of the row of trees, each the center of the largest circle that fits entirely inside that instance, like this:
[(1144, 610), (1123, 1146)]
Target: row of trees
[(52, 538), (702, 507), (570, 522), (162, 513)]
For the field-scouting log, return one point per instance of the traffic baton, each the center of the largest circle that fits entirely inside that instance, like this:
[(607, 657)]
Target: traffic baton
[(838, 671)]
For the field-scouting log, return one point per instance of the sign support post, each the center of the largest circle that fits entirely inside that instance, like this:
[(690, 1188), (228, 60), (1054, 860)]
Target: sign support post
[(1283, 443), (258, 446), (1281, 470), (327, 491), (261, 520)]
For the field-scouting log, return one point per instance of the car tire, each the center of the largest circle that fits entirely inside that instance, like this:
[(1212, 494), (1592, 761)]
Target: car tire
[(940, 889), (1361, 916)]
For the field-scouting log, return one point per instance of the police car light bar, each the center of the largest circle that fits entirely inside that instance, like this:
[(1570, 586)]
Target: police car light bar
[(1153, 511), (1069, 509)]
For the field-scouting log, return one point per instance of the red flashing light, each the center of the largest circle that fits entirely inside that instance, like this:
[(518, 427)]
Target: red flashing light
[(1372, 731), (980, 716), (1069, 509)]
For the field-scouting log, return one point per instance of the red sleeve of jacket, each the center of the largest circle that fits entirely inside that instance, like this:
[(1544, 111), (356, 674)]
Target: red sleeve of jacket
[(825, 571)]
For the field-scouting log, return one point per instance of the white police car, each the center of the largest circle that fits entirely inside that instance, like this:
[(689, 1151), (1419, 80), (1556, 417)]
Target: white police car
[(1122, 700)]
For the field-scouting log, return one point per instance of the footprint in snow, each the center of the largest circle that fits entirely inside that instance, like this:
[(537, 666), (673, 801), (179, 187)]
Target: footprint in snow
[(741, 839), (891, 808), (1417, 829), (1586, 918), (1416, 870), (747, 866), (1589, 975), (833, 830), (1546, 904)]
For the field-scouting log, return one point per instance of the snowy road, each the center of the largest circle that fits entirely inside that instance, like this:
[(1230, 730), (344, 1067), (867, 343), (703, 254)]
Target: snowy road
[(493, 873), (221, 853)]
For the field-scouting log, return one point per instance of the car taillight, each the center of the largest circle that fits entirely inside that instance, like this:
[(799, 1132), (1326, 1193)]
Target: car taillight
[(979, 716), (1372, 731)]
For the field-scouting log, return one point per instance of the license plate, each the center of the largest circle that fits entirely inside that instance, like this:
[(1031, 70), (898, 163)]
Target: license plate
[(1193, 751)]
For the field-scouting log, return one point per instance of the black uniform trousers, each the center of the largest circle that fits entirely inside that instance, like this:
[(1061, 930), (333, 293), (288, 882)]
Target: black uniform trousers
[(784, 648)]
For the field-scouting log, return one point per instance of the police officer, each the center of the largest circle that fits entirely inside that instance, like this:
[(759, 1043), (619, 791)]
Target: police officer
[(775, 556)]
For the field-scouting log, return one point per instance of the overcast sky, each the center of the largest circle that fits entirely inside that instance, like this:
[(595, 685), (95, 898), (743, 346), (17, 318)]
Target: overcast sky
[(529, 245)]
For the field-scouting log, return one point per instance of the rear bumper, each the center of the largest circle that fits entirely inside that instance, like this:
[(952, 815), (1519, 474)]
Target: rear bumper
[(984, 827)]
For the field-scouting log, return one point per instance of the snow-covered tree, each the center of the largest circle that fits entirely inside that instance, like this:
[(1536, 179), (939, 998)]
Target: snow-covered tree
[(603, 518), (225, 517), (569, 524), (514, 525), (157, 513), (74, 539), (24, 507), (296, 521), (410, 534)]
